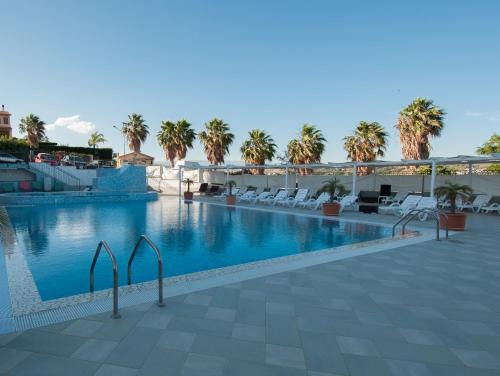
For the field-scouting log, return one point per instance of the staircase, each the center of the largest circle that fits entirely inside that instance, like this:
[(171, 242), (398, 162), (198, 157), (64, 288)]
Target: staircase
[(69, 180)]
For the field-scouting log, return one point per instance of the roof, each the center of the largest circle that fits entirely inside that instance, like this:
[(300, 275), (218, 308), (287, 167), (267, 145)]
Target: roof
[(461, 159), (135, 154), (5, 113)]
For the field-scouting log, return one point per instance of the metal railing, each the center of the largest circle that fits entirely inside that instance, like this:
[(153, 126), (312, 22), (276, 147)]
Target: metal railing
[(160, 266), (57, 173), (412, 214), (101, 244)]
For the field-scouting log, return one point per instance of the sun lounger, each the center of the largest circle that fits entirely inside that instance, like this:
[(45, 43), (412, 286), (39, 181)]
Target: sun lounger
[(479, 202), (315, 203), (273, 200), (213, 190), (260, 198), (399, 209), (246, 197), (300, 196), (399, 197), (348, 202), (491, 208), (225, 193), (203, 188), (427, 204)]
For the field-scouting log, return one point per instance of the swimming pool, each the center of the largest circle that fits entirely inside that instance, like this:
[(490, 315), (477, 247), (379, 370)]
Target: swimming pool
[(58, 242)]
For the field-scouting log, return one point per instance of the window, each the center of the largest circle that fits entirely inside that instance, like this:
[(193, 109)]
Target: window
[(6, 120)]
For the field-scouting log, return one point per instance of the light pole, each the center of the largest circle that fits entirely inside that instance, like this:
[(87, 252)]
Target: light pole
[(123, 134)]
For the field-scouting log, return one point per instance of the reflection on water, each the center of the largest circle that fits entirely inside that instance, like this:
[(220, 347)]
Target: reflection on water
[(59, 241)]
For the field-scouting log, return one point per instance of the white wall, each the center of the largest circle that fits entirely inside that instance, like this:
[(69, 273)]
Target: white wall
[(85, 176), (487, 184)]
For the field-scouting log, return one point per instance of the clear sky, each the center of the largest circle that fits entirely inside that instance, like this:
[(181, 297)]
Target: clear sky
[(83, 65)]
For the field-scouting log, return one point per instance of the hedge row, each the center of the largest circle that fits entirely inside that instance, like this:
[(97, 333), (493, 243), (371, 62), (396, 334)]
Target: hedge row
[(20, 149), (101, 154)]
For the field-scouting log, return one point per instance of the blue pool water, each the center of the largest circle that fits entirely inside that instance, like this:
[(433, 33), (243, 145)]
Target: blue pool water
[(59, 241)]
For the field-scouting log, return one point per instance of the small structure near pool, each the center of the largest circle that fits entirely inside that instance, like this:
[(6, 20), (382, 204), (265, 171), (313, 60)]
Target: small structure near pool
[(135, 158)]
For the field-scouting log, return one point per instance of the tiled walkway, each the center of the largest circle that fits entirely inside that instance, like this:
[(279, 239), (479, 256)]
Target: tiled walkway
[(427, 309)]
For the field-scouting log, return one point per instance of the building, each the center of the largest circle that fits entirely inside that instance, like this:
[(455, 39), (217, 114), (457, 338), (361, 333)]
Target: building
[(5, 127), (135, 158)]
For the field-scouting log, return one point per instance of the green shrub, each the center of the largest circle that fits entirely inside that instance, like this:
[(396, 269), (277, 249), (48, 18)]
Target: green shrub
[(440, 170), (494, 168)]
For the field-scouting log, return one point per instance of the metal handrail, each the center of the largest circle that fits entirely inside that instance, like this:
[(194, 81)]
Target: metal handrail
[(69, 175), (160, 266), (408, 217), (57, 173), (102, 243)]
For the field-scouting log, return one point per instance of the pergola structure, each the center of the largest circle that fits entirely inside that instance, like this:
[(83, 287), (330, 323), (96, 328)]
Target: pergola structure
[(433, 162)]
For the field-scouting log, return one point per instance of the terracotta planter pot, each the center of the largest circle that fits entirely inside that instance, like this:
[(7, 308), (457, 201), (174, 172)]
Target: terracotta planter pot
[(331, 208), (456, 221), (230, 200), (188, 196)]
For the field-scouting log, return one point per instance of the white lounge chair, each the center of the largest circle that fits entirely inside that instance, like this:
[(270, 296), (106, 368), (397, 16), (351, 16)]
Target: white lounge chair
[(348, 202), (261, 197), (315, 203), (273, 200), (428, 204), (226, 193), (400, 209), (491, 208), (399, 197), (247, 196), (300, 196), (447, 204), (479, 202)]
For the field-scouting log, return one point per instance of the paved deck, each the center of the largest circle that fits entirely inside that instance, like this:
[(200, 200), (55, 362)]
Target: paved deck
[(426, 309)]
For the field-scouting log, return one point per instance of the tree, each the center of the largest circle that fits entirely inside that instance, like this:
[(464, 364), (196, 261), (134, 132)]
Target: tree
[(95, 139), (34, 129), (368, 142), (491, 146), (136, 131), (257, 149), (417, 123), (185, 137), (308, 148), (216, 140), (167, 139)]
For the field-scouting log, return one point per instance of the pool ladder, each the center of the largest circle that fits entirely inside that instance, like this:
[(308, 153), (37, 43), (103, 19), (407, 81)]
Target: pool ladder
[(412, 214), (104, 244)]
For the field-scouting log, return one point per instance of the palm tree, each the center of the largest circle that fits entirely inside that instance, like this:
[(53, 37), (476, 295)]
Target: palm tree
[(258, 149), (491, 146), (95, 139), (368, 142), (136, 131), (417, 123), (216, 140), (167, 139), (185, 138), (34, 129), (308, 148), (176, 139)]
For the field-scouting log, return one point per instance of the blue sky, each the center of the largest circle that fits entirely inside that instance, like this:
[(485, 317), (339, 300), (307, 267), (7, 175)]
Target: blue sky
[(268, 64)]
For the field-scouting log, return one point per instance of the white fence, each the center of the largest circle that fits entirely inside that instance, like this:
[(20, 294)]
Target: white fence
[(166, 180)]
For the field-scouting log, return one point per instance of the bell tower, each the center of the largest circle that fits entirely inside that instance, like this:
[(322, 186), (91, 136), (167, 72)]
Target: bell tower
[(5, 127)]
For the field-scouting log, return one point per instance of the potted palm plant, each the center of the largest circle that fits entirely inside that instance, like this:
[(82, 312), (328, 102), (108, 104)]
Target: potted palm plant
[(333, 187), (230, 198), (188, 195), (456, 221)]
